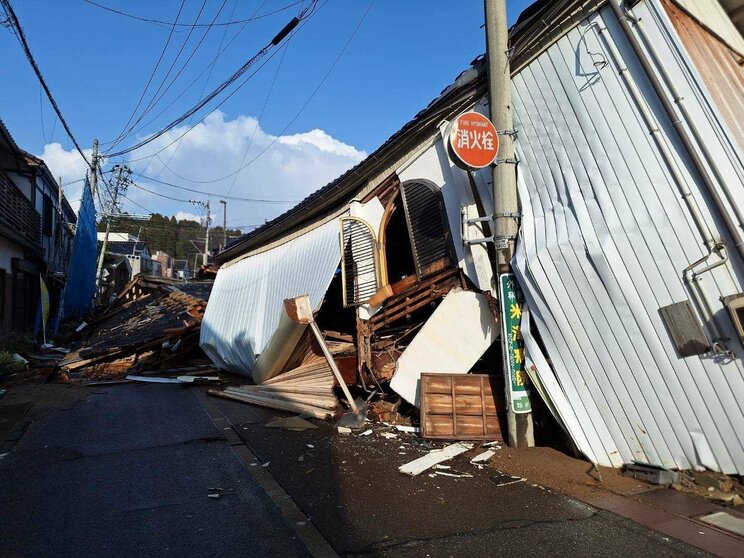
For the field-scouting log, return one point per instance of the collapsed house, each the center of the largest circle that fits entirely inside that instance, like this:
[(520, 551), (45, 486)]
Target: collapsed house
[(151, 327), (631, 185)]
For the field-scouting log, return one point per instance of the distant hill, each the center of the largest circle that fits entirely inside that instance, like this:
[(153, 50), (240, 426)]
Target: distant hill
[(169, 235)]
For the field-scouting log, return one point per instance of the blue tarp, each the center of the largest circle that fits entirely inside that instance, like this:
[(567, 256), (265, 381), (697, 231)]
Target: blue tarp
[(81, 279)]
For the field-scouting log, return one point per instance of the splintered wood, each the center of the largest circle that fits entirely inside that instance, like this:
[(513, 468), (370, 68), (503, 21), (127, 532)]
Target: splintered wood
[(459, 407), (307, 389)]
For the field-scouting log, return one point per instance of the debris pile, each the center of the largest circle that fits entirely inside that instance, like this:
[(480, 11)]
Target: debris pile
[(717, 487), (152, 327), (305, 382), (307, 389)]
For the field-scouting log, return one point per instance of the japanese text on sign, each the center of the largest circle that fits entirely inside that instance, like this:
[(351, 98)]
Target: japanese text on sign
[(512, 302), (473, 140)]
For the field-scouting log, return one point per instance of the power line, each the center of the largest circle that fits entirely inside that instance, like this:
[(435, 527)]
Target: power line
[(176, 24), (204, 86), (161, 195), (13, 19), (190, 85), (253, 134), (227, 97), (155, 97), (211, 194), (298, 113), (307, 12), (152, 75)]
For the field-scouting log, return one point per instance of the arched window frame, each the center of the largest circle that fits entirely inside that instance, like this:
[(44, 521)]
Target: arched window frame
[(357, 298)]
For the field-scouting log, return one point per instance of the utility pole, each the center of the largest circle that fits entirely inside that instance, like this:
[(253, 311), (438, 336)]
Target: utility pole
[(121, 183), (93, 174), (506, 207), (206, 240), (224, 223), (134, 248), (204, 205)]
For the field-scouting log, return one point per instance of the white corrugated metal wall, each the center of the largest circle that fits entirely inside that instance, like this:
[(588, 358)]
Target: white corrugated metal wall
[(246, 300), (604, 240)]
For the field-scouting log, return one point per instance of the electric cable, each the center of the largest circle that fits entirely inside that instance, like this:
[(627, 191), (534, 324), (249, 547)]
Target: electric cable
[(170, 23), (298, 113), (190, 85), (201, 93), (13, 19), (216, 195), (158, 95), (152, 76), (224, 85)]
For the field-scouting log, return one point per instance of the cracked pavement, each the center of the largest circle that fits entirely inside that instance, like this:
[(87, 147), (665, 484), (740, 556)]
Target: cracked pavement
[(126, 469)]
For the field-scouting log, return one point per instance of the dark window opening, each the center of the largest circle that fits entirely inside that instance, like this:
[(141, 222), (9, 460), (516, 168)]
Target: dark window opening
[(430, 236), (333, 315), (3, 298), (46, 217), (398, 251)]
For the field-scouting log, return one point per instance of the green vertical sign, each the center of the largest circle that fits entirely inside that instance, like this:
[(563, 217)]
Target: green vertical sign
[(512, 300)]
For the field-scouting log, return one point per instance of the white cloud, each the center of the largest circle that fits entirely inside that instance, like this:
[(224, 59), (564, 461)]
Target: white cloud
[(186, 216), (70, 167), (291, 168)]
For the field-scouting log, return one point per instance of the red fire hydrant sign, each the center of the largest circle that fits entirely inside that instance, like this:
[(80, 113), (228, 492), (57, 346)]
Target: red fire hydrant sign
[(473, 140)]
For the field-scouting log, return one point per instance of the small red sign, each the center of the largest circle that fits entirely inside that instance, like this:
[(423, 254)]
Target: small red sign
[(473, 140)]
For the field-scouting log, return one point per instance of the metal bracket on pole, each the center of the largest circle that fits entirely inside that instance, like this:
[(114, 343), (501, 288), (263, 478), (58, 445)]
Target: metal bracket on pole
[(514, 214), (513, 133), (511, 161), (499, 242)]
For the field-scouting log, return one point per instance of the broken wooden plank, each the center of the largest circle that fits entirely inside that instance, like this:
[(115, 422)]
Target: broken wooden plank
[(328, 402), (315, 412), (418, 466)]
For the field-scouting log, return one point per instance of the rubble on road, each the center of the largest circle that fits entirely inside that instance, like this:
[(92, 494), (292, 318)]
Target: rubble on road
[(153, 325), (434, 457)]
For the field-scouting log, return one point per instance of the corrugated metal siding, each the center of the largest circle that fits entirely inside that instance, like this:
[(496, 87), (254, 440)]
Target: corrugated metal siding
[(604, 240), (718, 66), (246, 300)]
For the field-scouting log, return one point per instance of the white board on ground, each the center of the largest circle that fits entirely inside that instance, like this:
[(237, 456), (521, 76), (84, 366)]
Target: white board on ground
[(451, 341), (418, 466)]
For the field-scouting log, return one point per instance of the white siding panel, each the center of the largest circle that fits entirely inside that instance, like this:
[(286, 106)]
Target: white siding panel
[(246, 301), (604, 240)]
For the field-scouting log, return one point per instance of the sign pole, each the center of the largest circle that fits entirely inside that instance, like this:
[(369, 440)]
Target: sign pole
[(504, 177)]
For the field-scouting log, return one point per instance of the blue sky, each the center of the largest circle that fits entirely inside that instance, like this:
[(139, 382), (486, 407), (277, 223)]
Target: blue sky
[(97, 64)]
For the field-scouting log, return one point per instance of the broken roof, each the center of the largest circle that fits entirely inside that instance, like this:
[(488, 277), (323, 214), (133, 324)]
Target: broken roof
[(125, 248), (538, 25)]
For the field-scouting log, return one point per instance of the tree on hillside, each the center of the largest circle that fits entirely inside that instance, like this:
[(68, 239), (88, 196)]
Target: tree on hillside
[(168, 234)]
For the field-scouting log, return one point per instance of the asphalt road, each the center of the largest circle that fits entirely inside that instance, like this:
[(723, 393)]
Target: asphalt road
[(126, 472)]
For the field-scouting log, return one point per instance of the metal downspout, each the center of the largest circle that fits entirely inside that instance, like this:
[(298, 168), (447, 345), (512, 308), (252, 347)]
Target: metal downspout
[(735, 229)]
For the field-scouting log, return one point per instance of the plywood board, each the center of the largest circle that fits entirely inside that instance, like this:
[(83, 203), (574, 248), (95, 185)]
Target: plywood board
[(451, 341), (459, 407)]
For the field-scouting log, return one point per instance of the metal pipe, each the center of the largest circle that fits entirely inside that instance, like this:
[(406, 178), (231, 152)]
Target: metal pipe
[(677, 121), (688, 275), (691, 278), (666, 153)]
